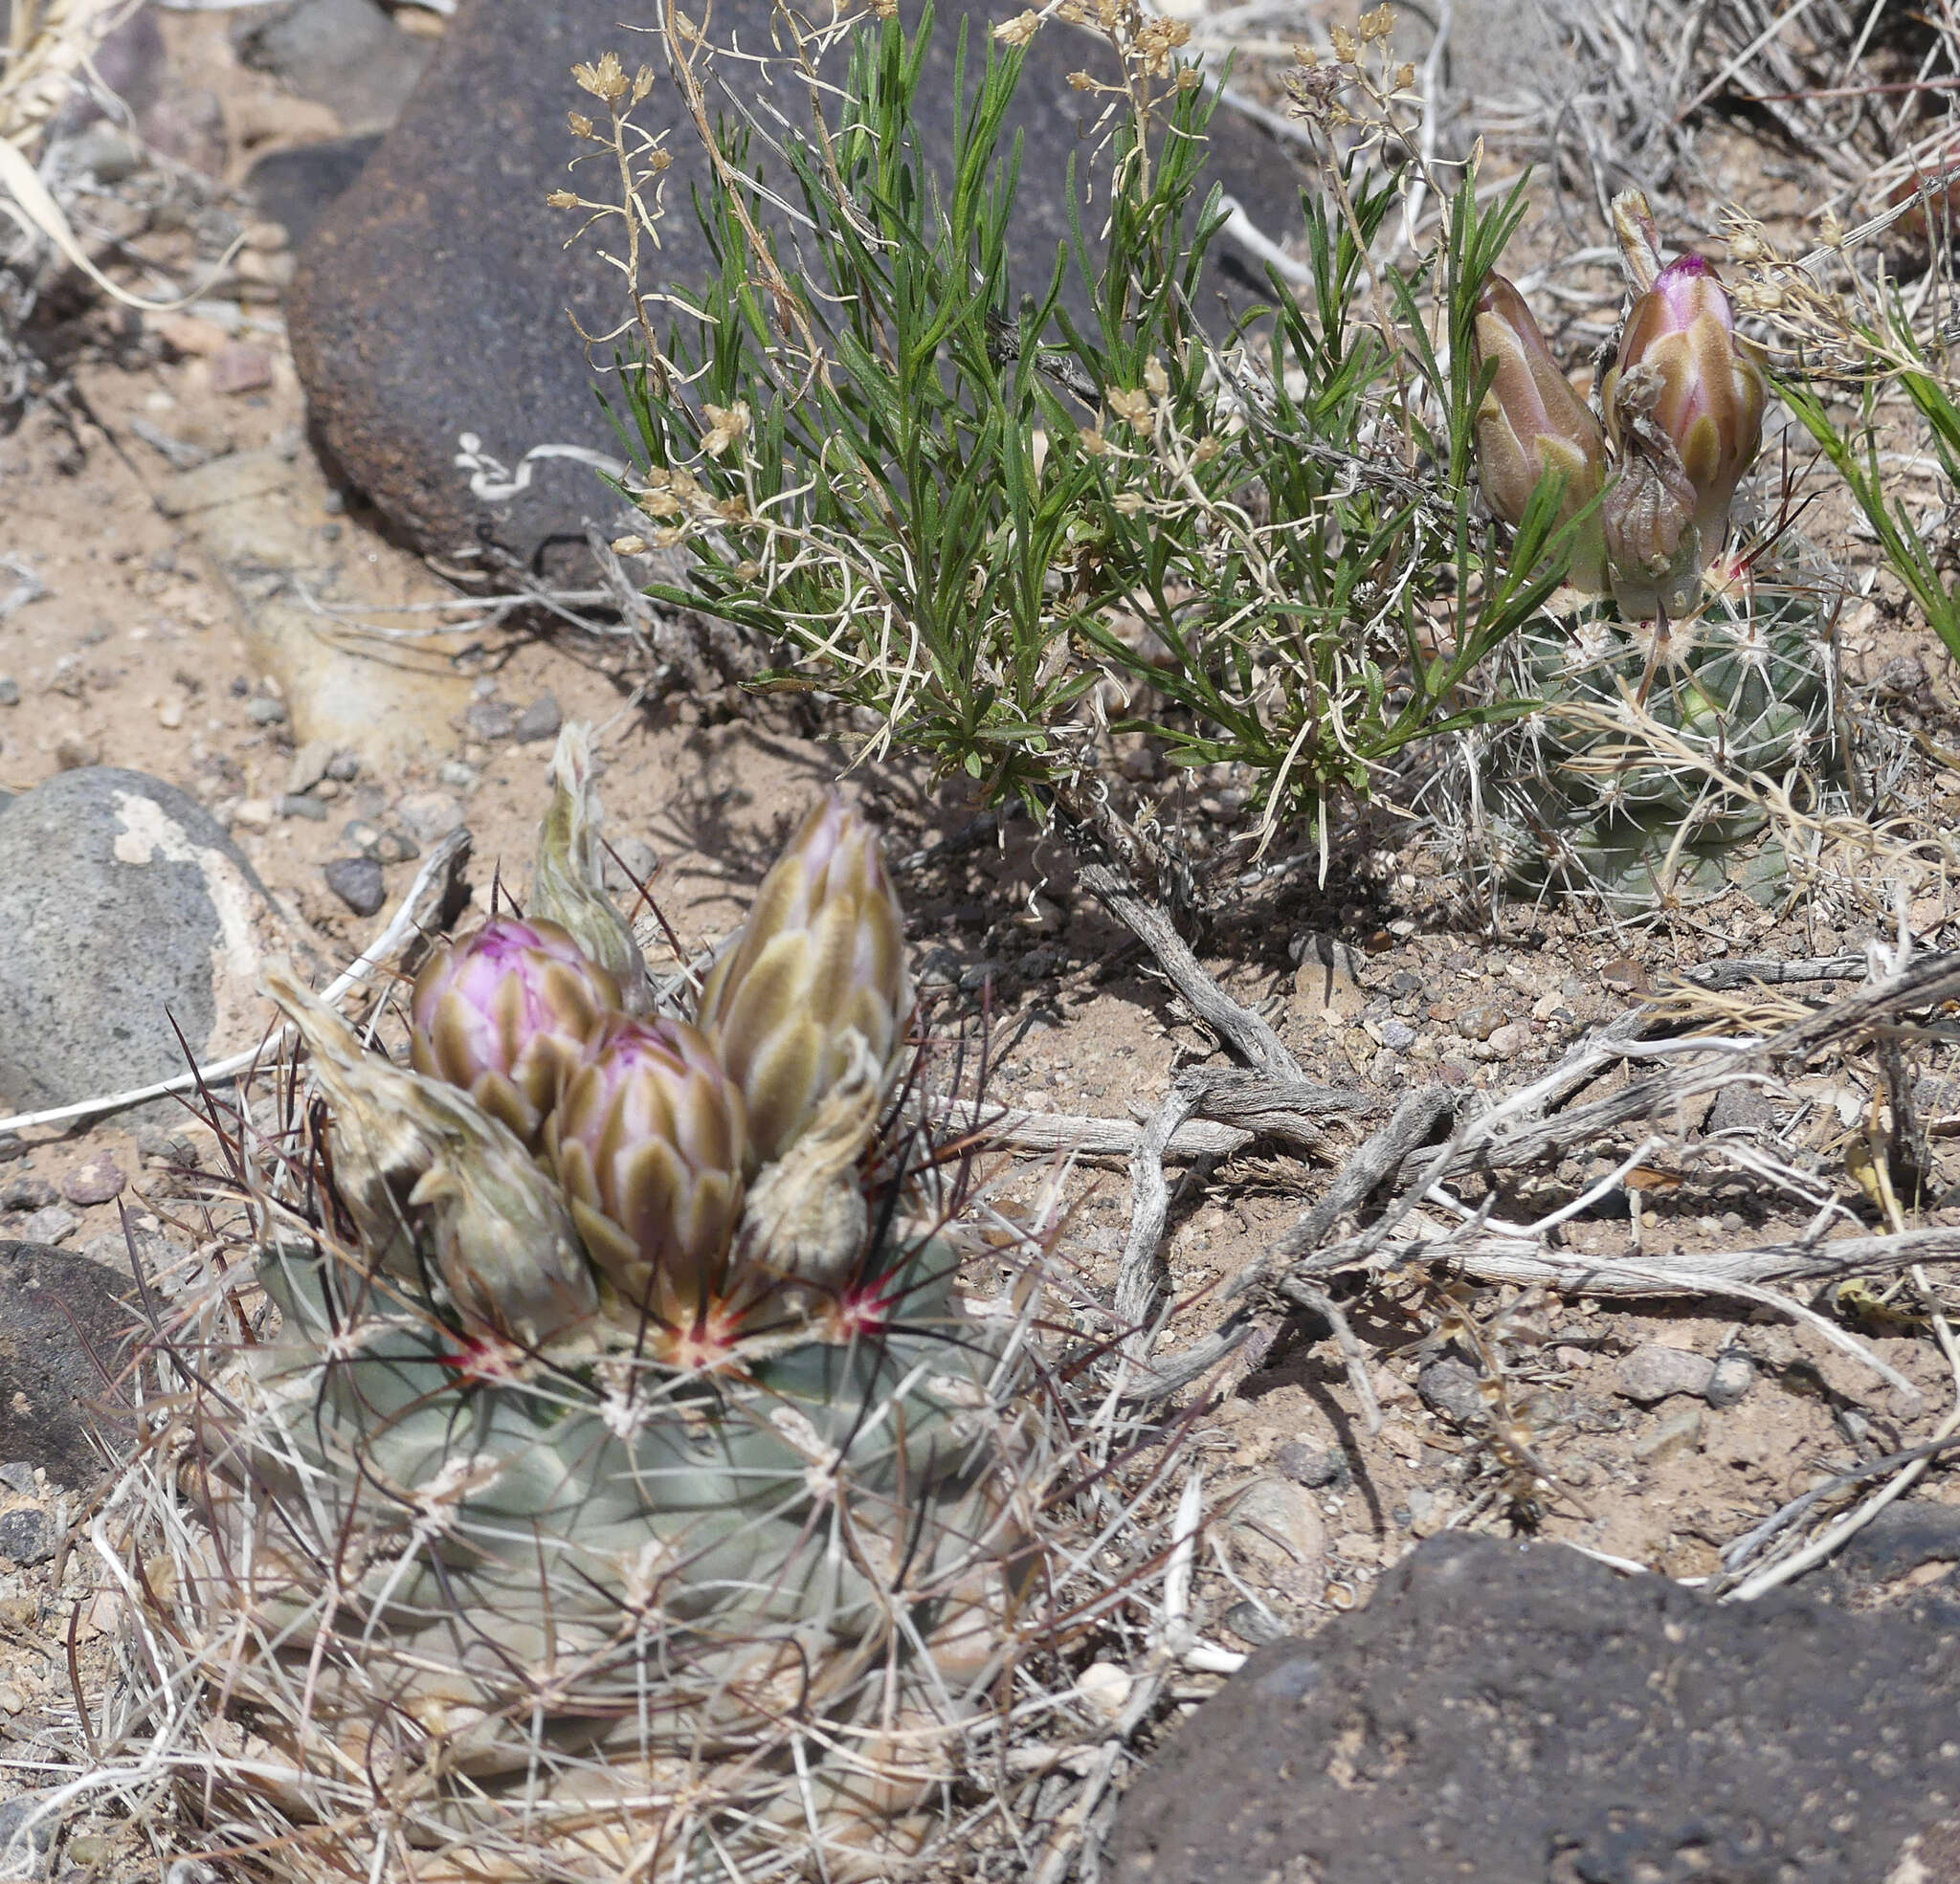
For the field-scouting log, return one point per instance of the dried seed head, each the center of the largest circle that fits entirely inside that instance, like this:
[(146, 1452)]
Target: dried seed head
[(569, 885), (506, 1015), (814, 978), (648, 1142)]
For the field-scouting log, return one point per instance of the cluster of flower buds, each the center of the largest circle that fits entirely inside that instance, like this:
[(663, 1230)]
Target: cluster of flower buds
[(659, 1133), (1683, 404)]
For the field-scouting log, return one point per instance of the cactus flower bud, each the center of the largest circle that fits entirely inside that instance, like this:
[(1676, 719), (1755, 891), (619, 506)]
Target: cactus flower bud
[(648, 1141), (1685, 408), (1532, 424), (505, 1014), (427, 1173), (814, 978)]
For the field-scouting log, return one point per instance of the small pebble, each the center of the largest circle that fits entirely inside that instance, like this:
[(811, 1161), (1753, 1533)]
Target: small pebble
[(1478, 1023), (1654, 1372), (1254, 1624), (238, 367), (254, 813), (309, 765), (430, 815), (1311, 1466), (491, 720), (27, 1824), (539, 721), (1734, 1374), (155, 1145), (1398, 1037), (343, 767), (396, 847), (357, 882), (1509, 1040), (18, 1476), (10, 690), (334, 503), (28, 1194), (10, 1148), (628, 863), (1106, 1688), (1450, 1385), (361, 835), (54, 1225), (27, 1535), (456, 772), (74, 750), (100, 1180), (171, 712), (297, 804), (1675, 1434), (262, 711)]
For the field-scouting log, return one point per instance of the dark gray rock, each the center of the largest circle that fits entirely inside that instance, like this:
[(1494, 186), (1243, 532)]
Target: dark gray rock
[(18, 1475), (66, 1324), (27, 1535), (1450, 1385), (539, 721), (358, 884), (1904, 1536), (347, 53), (1312, 1467), (1517, 1714), (432, 298), (125, 908), (27, 1824), (1739, 1108)]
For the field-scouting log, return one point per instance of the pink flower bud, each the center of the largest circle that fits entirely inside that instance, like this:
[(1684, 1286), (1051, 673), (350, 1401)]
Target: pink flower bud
[(1532, 424), (648, 1141), (1685, 403), (505, 1014)]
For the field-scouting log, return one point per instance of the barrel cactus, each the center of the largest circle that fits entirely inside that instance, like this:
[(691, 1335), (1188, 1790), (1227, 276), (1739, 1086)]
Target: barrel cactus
[(1609, 787), (574, 1485), (1677, 667)]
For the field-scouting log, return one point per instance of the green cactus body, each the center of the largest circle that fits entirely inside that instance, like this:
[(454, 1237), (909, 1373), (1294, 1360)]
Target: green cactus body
[(623, 1594), (1578, 798)]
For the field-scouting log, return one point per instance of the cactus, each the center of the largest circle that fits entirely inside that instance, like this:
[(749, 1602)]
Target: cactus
[(1606, 788), (1697, 670), (630, 1503)]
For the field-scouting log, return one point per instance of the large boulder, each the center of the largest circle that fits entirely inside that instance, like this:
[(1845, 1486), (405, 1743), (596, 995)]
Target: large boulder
[(1519, 1714), (129, 915), (432, 298)]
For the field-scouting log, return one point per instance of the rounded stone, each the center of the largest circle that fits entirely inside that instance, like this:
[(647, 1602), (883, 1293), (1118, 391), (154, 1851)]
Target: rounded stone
[(1655, 1373), (100, 1180), (358, 884), (129, 915)]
